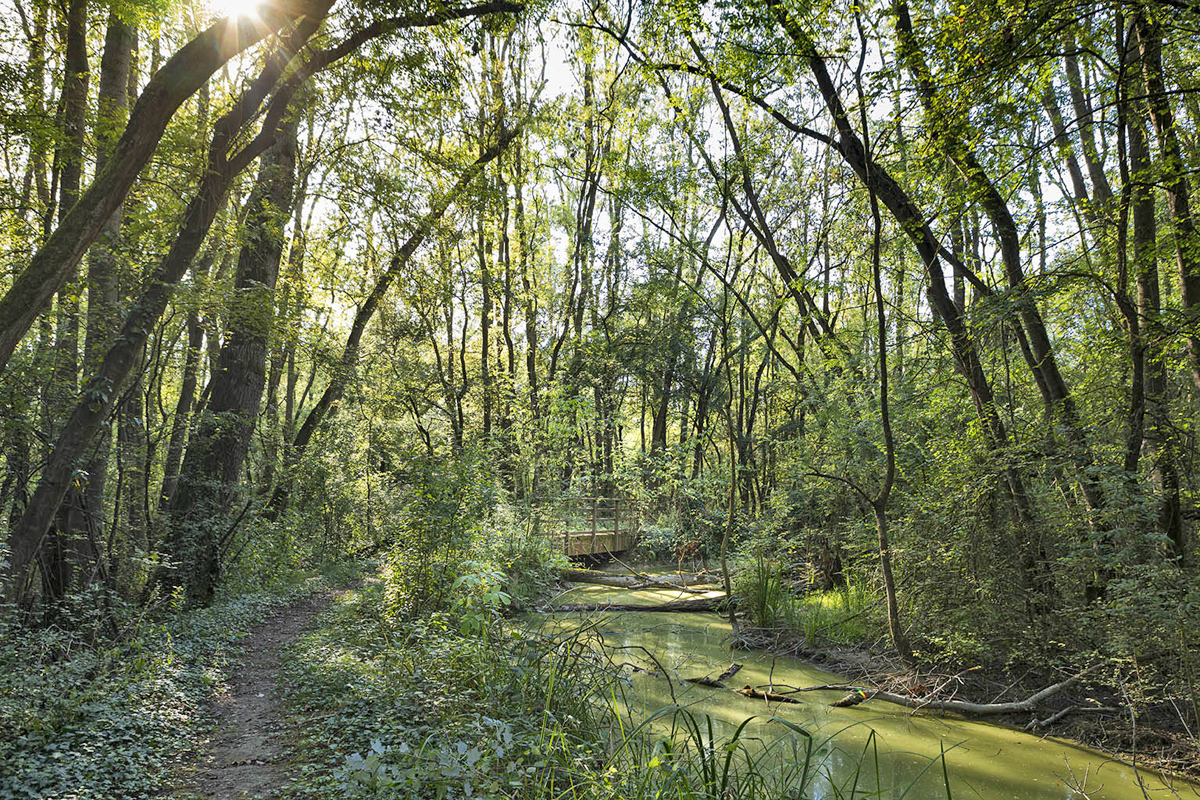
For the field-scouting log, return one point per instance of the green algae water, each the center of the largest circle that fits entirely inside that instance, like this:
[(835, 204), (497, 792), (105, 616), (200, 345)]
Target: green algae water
[(875, 749)]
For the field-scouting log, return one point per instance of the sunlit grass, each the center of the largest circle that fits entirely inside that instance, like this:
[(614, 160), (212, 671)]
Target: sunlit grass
[(843, 615)]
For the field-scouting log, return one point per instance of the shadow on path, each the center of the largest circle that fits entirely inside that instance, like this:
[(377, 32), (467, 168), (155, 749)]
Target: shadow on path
[(243, 761)]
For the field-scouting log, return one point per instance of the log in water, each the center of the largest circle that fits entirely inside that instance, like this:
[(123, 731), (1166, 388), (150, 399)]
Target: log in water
[(983, 760)]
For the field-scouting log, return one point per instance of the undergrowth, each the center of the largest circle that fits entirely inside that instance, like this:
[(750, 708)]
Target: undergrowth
[(389, 706), (84, 715)]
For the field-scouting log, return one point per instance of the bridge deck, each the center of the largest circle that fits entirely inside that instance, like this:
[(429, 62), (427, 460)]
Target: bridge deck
[(587, 543), (598, 527)]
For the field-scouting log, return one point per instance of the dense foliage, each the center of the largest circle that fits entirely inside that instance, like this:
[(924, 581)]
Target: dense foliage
[(897, 303)]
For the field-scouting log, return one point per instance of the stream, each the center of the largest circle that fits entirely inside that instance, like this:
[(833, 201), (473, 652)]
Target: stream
[(983, 760)]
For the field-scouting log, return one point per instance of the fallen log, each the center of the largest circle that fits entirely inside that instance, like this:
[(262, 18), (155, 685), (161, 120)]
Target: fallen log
[(652, 581), (750, 691), (958, 706), (706, 681), (634, 582), (698, 604)]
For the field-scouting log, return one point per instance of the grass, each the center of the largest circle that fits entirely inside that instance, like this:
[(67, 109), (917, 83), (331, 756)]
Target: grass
[(845, 615), (841, 616), (388, 706)]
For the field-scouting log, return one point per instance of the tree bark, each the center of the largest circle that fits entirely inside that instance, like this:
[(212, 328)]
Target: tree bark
[(209, 477), (52, 264), (1157, 439), (1173, 168), (103, 311)]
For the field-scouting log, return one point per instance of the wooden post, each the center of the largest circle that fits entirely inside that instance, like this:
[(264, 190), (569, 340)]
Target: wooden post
[(595, 503)]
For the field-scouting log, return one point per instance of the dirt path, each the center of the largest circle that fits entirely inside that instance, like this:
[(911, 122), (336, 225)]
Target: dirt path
[(244, 760)]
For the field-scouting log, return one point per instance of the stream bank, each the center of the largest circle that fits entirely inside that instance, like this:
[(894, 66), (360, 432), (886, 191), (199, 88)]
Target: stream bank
[(682, 645)]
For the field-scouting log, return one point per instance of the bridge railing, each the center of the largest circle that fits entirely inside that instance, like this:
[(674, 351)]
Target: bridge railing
[(596, 525)]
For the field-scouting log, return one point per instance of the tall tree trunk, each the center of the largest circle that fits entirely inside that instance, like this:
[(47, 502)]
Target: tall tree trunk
[(1158, 440), (529, 307), (67, 554), (103, 293), (1101, 191), (211, 471), (131, 538), (181, 420), (1173, 168), (51, 266)]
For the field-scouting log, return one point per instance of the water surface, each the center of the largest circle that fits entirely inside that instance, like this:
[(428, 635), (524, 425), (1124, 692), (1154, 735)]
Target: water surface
[(984, 760)]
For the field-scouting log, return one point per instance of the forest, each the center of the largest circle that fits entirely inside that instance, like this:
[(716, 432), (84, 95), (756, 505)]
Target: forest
[(321, 322)]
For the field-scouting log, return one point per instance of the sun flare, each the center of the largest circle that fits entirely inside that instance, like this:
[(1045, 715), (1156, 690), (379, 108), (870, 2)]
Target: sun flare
[(235, 8)]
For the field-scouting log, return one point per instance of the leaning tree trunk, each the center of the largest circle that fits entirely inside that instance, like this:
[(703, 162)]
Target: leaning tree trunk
[(209, 477), (85, 420), (100, 394), (51, 266)]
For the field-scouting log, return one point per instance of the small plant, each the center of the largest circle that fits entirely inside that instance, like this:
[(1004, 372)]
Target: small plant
[(479, 597)]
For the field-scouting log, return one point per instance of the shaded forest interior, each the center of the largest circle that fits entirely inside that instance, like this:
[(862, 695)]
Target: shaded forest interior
[(900, 296)]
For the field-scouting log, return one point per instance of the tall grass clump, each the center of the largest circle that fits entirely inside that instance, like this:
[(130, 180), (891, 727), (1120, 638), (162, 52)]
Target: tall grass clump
[(843, 615), (761, 594)]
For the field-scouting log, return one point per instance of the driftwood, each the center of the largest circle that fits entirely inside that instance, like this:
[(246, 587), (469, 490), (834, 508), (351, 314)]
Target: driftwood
[(958, 706), (1036, 723), (716, 682), (635, 582), (750, 691), (698, 604)]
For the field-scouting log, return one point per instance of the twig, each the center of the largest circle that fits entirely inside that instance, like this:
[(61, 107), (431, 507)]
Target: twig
[(1035, 723)]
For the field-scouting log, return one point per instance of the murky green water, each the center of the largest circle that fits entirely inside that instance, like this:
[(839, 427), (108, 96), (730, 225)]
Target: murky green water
[(984, 761)]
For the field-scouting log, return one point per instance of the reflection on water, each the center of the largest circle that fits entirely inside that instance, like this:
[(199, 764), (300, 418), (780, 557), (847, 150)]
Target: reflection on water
[(983, 760)]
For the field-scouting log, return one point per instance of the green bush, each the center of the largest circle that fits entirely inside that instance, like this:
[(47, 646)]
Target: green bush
[(445, 507)]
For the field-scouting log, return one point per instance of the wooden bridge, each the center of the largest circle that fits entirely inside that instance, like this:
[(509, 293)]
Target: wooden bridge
[(596, 527)]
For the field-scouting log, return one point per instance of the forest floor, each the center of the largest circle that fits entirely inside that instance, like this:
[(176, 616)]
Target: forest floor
[(244, 759)]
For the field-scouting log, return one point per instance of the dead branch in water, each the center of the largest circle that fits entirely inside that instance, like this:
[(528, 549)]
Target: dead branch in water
[(698, 604), (1036, 723), (772, 697), (958, 706)]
